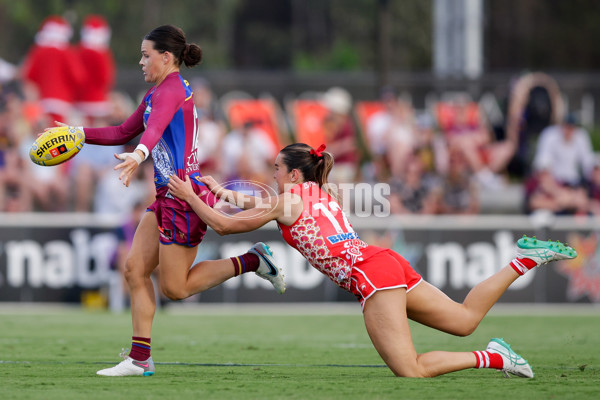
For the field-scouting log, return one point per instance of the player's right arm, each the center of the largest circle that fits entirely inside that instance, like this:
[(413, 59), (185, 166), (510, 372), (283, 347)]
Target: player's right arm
[(116, 135)]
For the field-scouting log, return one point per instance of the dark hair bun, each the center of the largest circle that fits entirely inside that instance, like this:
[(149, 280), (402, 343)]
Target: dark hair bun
[(192, 55)]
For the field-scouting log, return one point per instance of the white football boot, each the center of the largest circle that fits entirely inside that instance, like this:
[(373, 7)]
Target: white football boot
[(512, 362), (267, 268), (129, 367)]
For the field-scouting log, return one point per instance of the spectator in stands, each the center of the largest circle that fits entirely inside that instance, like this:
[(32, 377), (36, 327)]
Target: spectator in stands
[(566, 149), (52, 67), (99, 70), (459, 191), (27, 186), (340, 135), (535, 102), (17, 123), (247, 153), (415, 192), (544, 192), (15, 192), (391, 132), (431, 146), (468, 132)]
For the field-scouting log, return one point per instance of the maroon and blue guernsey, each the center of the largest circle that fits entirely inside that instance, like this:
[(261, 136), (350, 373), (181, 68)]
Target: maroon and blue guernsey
[(168, 118)]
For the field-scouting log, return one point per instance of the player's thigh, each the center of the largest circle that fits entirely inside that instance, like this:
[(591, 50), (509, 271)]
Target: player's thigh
[(430, 306), (387, 324), (143, 255), (175, 261)]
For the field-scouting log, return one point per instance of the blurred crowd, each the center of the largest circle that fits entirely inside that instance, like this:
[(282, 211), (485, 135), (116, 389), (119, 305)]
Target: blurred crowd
[(439, 160)]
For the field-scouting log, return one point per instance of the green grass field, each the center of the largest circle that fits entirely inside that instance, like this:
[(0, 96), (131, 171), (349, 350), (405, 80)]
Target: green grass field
[(55, 354)]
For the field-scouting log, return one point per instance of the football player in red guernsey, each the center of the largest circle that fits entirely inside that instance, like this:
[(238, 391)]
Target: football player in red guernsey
[(390, 291)]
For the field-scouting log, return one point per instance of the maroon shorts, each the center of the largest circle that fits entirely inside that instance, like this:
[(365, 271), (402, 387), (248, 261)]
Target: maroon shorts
[(384, 270), (176, 225)]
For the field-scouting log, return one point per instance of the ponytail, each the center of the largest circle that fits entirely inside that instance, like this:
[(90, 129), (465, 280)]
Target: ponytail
[(315, 165)]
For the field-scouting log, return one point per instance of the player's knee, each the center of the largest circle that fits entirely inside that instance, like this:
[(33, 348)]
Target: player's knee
[(409, 368), (174, 293), (410, 373), (467, 330), (133, 273), (466, 327)]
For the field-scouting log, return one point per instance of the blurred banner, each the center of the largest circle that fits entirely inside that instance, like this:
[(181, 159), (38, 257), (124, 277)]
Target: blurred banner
[(64, 257)]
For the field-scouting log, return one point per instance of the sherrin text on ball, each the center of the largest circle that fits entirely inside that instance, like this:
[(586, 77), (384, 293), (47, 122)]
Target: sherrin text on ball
[(57, 145)]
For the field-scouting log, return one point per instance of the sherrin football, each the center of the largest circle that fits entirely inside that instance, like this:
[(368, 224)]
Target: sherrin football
[(57, 145)]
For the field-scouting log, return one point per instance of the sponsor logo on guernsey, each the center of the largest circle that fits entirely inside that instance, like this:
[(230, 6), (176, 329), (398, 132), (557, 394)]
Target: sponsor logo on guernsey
[(342, 237), (57, 140)]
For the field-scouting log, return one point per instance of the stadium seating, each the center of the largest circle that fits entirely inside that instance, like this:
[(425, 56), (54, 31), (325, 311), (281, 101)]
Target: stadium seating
[(306, 118), (264, 112)]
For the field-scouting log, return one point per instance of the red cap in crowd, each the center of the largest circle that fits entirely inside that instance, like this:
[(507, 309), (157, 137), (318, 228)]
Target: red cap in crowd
[(54, 32), (95, 32)]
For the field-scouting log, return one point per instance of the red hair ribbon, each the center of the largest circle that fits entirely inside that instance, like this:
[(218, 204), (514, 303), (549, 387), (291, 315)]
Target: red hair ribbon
[(318, 151)]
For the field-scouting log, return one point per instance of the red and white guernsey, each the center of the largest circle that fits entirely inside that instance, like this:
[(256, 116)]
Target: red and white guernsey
[(323, 235)]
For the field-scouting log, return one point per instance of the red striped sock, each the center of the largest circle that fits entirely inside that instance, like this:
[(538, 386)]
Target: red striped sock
[(140, 348), (245, 263), (522, 265), (486, 359)]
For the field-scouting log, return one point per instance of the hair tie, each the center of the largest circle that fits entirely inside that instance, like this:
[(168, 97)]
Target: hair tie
[(318, 151)]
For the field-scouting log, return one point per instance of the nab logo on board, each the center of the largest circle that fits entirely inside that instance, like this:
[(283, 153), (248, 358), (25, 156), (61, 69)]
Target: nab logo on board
[(456, 266), (58, 264)]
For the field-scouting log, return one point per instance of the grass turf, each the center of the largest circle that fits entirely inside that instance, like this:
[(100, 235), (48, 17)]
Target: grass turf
[(54, 355)]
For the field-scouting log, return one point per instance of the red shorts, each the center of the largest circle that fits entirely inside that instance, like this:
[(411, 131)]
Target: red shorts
[(384, 270), (178, 226)]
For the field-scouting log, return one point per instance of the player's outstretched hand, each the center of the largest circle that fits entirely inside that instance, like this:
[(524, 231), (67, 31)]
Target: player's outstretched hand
[(56, 123), (181, 189), (128, 166)]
